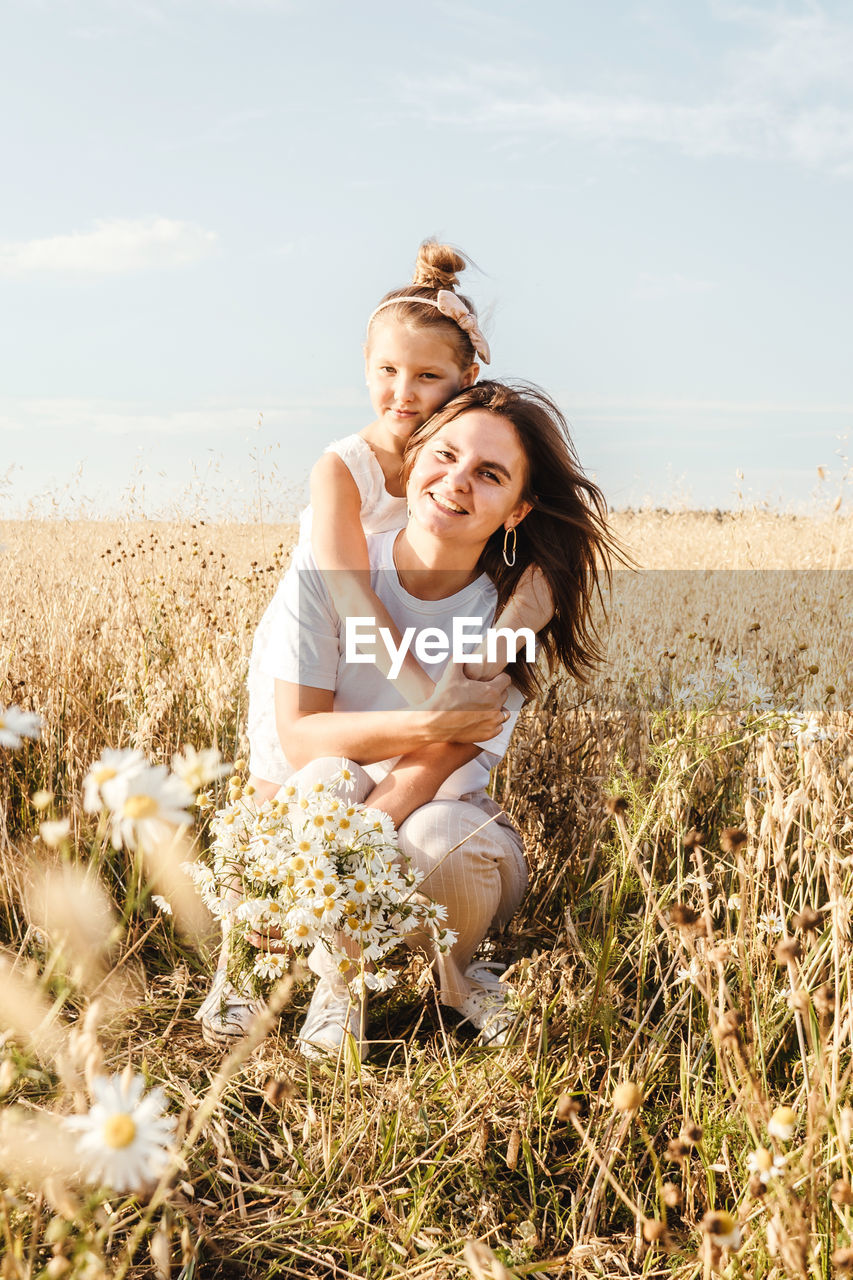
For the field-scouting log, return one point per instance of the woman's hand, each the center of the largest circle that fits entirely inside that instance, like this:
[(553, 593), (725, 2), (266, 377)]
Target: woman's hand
[(467, 710), (271, 940)]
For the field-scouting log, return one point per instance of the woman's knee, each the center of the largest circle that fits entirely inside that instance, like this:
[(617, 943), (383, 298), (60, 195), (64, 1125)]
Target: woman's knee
[(439, 826), (327, 770)]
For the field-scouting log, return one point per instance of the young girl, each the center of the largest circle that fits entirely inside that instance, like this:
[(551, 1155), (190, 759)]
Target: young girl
[(423, 346)]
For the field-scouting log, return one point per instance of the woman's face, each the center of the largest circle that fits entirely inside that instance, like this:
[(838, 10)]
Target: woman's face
[(468, 478)]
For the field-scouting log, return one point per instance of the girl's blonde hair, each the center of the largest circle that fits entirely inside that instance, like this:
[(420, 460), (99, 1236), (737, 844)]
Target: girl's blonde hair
[(437, 267)]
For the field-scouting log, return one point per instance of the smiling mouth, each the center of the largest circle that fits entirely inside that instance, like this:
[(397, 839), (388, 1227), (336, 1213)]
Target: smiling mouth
[(445, 504)]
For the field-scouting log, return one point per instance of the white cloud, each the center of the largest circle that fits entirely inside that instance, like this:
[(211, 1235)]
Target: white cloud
[(85, 417), (797, 53), (788, 96), (115, 245)]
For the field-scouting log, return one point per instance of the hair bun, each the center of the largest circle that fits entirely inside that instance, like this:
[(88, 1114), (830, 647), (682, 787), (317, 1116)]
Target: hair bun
[(437, 266)]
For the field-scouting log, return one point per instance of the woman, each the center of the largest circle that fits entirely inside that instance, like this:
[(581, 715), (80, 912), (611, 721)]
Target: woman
[(493, 487)]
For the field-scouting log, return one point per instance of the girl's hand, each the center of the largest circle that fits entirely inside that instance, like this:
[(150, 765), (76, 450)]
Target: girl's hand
[(530, 607), (269, 941), (467, 710)]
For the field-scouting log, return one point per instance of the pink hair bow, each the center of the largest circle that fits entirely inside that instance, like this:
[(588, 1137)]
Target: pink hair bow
[(452, 306)]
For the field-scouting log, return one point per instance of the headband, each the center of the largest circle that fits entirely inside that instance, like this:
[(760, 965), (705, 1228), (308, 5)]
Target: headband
[(452, 306)]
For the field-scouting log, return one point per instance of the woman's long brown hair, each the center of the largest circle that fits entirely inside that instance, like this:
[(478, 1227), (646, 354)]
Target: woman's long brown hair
[(565, 533)]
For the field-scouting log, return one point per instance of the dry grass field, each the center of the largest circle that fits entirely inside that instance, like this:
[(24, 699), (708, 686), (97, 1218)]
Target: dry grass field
[(678, 1098)]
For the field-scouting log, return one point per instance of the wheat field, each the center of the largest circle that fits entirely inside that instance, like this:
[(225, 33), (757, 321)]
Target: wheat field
[(677, 1099)]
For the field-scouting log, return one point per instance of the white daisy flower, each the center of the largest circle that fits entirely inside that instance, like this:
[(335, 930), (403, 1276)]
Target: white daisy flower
[(162, 904), (376, 950), (53, 833), (300, 860), (771, 922), (357, 888), (272, 911), (270, 964), (345, 778), (15, 725), (404, 923), (200, 874), (104, 784), (301, 933), (368, 930), (251, 910), (723, 1230), (446, 940), (320, 869), (154, 803), (392, 884), (276, 868), (763, 1163), (198, 768), (782, 1123), (256, 872), (124, 1138), (328, 910), (691, 974)]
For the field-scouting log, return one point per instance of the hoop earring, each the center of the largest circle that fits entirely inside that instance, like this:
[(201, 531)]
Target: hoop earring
[(507, 532)]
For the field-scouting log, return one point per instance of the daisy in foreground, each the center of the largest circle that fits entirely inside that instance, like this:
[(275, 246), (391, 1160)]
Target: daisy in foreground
[(124, 1138), (15, 725)]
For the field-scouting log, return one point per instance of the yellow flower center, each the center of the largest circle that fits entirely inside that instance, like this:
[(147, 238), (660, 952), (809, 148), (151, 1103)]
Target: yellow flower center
[(139, 807), (104, 774), (119, 1130), (359, 886)]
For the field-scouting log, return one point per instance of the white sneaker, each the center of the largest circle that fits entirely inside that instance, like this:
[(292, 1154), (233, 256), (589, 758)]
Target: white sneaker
[(486, 973), (486, 1007), (226, 1015), (332, 1014)]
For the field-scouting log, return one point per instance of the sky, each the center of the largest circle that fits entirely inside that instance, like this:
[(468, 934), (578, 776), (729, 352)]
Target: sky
[(203, 200)]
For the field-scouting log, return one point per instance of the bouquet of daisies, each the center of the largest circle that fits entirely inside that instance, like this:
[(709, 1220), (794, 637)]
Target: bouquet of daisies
[(312, 868)]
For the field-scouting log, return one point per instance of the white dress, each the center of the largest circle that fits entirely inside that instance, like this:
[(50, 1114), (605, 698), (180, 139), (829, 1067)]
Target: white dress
[(380, 511)]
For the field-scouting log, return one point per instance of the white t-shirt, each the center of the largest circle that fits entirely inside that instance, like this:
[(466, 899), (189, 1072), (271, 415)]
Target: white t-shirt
[(301, 640)]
